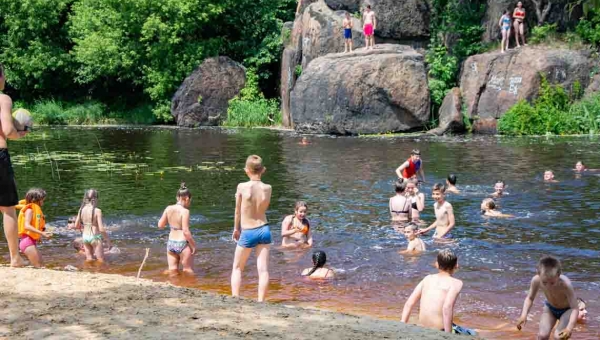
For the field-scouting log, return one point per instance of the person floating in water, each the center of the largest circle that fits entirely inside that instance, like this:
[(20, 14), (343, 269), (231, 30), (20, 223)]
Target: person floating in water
[(561, 304), (181, 246), (505, 28), (451, 185), (417, 200), (295, 229), (549, 177), (499, 188), (93, 227), (444, 215), (347, 25), (438, 294), (32, 226), (251, 228), (415, 244), (318, 270), (369, 26), (488, 208), (304, 141), (580, 167), (412, 167), (400, 205), (582, 315)]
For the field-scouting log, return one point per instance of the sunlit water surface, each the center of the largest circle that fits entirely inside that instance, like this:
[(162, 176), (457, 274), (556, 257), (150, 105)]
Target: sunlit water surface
[(347, 183)]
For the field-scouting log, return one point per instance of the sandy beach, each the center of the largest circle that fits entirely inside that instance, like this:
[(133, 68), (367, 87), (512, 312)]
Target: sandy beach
[(50, 304)]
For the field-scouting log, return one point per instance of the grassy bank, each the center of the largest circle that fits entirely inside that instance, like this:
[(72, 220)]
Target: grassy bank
[(53, 112)]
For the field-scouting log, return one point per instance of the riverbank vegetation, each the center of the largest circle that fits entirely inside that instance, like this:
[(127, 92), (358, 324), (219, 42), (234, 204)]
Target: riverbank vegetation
[(126, 57)]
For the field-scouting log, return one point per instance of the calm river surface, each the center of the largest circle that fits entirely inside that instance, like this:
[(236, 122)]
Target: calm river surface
[(347, 183)]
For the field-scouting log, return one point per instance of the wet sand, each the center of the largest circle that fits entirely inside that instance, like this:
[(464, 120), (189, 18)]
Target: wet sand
[(50, 304)]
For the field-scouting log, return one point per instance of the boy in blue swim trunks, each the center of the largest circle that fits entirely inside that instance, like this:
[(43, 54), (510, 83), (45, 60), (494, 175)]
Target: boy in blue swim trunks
[(251, 229), (561, 304), (347, 24)]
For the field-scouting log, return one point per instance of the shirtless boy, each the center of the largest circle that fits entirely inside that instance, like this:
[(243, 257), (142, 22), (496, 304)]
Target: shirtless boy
[(251, 229), (8, 188), (369, 25), (444, 215), (499, 189), (451, 184), (438, 294), (347, 25), (415, 244), (549, 176), (561, 304)]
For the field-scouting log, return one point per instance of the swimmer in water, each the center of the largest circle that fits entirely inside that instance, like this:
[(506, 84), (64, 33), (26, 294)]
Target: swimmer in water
[(488, 208), (415, 244), (561, 307), (412, 168), (400, 205), (451, 184), (438, 294), (444, 215), (417, 200), (71, 224), (582, 316), (580, 167), (549, 177), (295, 229), (181, 246), (318, 271), (304, 141), (499, 189)]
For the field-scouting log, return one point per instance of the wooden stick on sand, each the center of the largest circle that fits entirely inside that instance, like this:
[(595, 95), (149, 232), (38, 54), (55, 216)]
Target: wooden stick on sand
[(143, 262)]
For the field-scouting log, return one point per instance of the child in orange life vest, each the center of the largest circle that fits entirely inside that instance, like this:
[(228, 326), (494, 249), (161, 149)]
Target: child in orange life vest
[(295, 229), (32, 225)]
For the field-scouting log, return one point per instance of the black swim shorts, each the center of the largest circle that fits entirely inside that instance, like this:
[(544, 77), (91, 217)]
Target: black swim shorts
[(8, 187)]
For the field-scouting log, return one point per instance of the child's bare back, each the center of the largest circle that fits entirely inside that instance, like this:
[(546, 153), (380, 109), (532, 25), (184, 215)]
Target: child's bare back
[(255, 198), (439, 291)]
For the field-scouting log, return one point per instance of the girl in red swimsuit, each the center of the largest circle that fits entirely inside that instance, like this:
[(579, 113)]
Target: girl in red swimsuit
[(519, 23)]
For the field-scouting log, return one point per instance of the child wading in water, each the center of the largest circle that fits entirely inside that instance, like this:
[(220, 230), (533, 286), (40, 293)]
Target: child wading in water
[(488, 208), (32, 225), (444, 215), (415, 244), (400, 205), (561, 304), (250, 228), (295, 229), (417, 200), (438, 294), (499, 189), (451, 184), (93, 227), (318, 271), (181, 245)]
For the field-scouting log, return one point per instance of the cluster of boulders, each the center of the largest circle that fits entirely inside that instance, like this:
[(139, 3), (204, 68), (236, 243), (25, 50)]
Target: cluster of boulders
[(324, 90)]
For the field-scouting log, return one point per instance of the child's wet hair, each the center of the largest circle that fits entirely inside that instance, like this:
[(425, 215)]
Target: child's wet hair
[(490, 203), (77, 244), (439, 187), (548, 264), (89, 197), (400, 186), (319, 258), (35, 195), (411, 226), (415, 152), (580, 300), (452, 179), (183, 191), (446, 260), (500, 181), (300, 204), (254, 164)]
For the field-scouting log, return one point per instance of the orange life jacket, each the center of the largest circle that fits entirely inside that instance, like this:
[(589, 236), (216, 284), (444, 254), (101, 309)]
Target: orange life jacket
[(38, 221)]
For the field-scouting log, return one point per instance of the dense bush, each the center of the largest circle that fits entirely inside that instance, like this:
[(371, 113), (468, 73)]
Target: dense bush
[(131, 51), (251, 108), (589, 27), (53, 112), (554, 112)]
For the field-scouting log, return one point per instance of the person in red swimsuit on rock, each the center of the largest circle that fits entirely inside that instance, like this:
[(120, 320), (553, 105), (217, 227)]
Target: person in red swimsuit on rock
[(519, 23)]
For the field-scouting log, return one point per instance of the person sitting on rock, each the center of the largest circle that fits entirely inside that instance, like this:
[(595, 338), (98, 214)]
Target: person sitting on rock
[(369, 24), (347, 24), (519, 23)]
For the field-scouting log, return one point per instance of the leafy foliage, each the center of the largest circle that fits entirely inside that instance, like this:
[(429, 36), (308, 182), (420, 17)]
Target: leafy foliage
[(540, 34), (589, 28)]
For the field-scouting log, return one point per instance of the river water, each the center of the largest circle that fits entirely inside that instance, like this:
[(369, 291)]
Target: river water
[(347, 183)]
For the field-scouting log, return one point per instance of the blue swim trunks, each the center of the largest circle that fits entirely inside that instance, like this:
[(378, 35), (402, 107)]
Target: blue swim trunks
[(250, 238), (347, 33), (557, 312)]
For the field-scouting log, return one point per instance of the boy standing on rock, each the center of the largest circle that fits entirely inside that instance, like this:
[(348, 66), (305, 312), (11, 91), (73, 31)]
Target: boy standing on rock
[(369, 24), (347, 25), (251, 229)]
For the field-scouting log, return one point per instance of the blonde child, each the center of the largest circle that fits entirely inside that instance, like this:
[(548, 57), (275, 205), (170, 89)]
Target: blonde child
[(93, 228), (415, 244), (318, 271), (488, 208), (181, 246), (444, 215), (417, 200), (561, 304), (32, 225), (295, 229)]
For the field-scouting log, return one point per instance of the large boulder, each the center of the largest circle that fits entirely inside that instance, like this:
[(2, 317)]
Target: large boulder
[(493, 82), (346, 5), (450, 116), (322, 32), (366, 91), (204, 96), (594, 85), (401, 19), (290, 59)]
